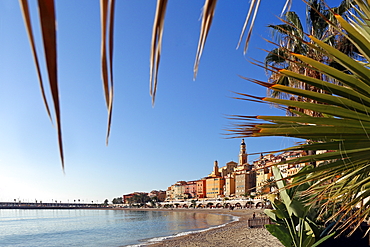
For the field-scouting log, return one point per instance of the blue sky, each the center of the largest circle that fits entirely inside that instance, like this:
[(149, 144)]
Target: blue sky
[(150, 148)]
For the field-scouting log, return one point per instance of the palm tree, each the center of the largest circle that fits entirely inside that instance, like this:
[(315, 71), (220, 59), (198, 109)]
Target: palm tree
[(291, 38), (269, 185), (341, 179)]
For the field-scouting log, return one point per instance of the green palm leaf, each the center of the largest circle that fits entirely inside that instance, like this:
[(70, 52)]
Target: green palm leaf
[(341, 179)]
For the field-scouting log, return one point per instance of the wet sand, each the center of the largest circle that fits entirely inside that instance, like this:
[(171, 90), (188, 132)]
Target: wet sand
[(234, 234)]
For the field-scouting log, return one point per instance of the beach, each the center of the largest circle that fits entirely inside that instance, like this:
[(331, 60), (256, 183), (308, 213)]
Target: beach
[(234, 234)]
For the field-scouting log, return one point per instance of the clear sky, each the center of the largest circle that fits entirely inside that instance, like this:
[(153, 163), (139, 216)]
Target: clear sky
[(150, 148)]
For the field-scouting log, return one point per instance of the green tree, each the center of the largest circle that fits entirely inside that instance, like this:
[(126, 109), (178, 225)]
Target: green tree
[(291, 38), (193, 203), (269, 184), (117, 200), (341, 179), (139, 199), (106, 202)]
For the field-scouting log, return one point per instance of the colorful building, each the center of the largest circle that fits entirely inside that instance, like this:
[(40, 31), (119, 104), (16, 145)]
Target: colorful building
[(190, 190), (159, 195), (215, 183), (244, 176), (201, 188), (245, 182), (229, 188), (126, 198), (170, 193)]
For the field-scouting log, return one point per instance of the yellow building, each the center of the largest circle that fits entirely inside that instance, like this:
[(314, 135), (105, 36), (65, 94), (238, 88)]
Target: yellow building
[(169, 193), (215, 183), (229, 188), (263, 171), (228, 169), (179, 190), (245, 182), (214, 187), (176, 191)]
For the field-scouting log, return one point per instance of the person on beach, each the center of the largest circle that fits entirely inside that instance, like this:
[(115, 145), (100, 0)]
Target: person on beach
[(254, 215)]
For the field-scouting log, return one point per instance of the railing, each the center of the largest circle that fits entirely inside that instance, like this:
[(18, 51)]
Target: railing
[(259, 222)]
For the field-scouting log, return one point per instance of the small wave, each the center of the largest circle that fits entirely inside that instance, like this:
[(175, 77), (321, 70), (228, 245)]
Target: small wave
[(159, 239)]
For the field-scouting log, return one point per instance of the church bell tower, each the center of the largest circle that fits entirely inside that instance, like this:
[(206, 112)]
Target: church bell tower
[(243, 156)]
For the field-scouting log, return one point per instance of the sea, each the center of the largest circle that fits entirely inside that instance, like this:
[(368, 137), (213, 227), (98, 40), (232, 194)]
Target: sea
[(84, 227)]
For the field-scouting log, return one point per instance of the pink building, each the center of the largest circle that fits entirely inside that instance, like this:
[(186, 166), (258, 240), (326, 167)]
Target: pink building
[(190, 189)]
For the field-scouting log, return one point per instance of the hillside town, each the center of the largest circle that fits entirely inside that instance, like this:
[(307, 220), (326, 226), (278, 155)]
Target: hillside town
[(235, 180)]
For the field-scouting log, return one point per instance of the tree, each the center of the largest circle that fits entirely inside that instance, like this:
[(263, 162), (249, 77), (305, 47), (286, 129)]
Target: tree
[(139, 198), (117, 200), (269, 185), (106, 202), (291, 38), (152, 203), (193, 203), (341, 179)]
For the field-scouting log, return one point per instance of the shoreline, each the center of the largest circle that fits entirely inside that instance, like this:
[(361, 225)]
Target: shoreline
[(233, 234)]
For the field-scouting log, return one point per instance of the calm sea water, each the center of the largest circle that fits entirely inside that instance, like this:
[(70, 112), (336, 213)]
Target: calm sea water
[(97, 227)]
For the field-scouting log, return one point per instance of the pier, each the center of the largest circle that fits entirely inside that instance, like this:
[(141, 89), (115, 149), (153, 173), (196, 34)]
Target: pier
[(48, 205)]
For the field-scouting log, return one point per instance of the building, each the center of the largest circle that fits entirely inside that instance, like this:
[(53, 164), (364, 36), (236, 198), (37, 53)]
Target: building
[(229, 188), (228, 169), (264, 172), (201, 188), (190, 190), (159, 195), (127, 199), (245, 182), (179, 190), (244, 175), (170, 193), (215, 183)]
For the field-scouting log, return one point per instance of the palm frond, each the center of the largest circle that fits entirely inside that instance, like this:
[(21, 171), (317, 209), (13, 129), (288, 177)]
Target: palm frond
[(107, 27), (27, 20), (340, 180), (47, 19), (156, 46), (207, 18), (48, 30)]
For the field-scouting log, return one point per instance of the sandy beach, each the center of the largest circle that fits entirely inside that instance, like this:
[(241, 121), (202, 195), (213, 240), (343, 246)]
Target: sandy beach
[(234, 234)]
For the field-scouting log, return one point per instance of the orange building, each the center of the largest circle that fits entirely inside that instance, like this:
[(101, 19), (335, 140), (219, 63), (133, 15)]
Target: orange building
[(215, 183), (201, 188)]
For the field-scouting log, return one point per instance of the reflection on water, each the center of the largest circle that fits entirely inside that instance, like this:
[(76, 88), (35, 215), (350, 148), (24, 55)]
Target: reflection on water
[(183, 220), (96, 227)]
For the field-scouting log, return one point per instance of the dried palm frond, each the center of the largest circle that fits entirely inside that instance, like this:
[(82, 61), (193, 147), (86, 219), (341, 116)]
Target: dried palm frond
[(48, 30), (107, 27), (207, 17), (156, 46)]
